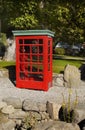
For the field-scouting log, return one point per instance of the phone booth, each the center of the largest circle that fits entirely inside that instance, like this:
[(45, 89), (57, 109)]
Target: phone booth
[(34, 59)]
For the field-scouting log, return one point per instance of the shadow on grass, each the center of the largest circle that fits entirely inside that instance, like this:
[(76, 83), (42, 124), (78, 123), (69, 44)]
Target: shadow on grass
[(12, 73)]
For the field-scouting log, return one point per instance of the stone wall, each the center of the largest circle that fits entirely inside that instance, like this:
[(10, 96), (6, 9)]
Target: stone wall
[(17, 115)]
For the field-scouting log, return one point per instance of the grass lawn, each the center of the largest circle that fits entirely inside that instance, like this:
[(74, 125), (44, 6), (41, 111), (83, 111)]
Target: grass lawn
[(4, 64), (58, 64)]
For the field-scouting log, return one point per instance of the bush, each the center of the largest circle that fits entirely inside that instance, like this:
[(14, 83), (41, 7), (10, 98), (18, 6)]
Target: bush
[(60, 51)]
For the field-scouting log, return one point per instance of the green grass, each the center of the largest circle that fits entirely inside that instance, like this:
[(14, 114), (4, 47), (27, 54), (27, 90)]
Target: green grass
[(4, 64), (59, 64)]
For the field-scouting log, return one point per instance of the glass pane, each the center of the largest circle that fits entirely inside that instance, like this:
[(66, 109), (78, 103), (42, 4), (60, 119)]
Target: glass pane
[(36, 77), (34, 58), (40, 49), (28, 58), (40, 58), (21, 49), (34, 49), (29, 68), (40, 41), (40, 68), (22, 75), (20, 41), (34, 68), (27, 49)]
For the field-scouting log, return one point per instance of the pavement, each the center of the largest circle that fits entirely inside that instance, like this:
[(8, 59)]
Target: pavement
[(54, 94)]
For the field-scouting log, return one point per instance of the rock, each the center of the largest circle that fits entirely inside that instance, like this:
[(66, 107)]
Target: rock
[(63, 126), (81, 114), (58, 80), (8, 109), (35, 115), (15, 102), (42, 125), (18, 114), (2, 104), (53, 110), (41, 106), (4, 73), (29, 105), (44, 115), (3, 118), (56, 125), (7, 125), (71, 75)]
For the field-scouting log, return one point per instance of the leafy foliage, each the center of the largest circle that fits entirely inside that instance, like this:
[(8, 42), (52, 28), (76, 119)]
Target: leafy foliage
[(60, 51), (65, 18)]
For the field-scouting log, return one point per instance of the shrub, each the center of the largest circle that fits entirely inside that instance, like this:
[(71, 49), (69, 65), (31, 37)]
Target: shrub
[(60, 51)]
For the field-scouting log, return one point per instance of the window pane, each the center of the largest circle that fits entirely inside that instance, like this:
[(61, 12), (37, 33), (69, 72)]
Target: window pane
[(40, 68), (34, 49), (20, 41), (34, 58), (40, 58), (34, 68)]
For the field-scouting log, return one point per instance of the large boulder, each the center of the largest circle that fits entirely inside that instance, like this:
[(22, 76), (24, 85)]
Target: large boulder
[(72, 76)]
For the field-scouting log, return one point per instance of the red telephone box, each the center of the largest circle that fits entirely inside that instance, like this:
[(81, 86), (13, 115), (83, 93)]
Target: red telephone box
[(34, 59)]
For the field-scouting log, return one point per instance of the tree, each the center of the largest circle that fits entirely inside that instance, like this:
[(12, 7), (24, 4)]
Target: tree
[(65, 18), (18, 14), (25, 17)]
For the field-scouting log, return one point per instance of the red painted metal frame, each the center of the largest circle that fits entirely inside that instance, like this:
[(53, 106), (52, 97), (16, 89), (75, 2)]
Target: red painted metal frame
[(30, 83)]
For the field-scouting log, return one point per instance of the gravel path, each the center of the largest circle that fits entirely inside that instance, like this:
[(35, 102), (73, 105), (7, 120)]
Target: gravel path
[(8, 89)]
